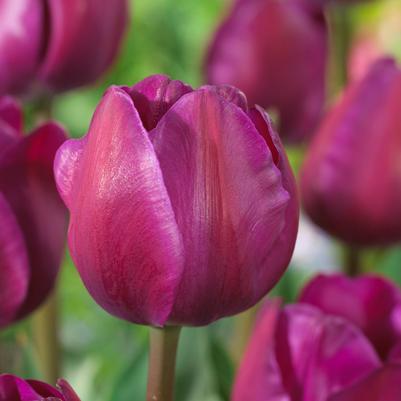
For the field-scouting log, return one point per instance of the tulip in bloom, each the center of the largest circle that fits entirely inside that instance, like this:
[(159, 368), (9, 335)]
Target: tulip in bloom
[(183, 205), (57, 45), (33, 217), (275, 51), (300, 353), (370, 302), (351, 179), (13, 388)]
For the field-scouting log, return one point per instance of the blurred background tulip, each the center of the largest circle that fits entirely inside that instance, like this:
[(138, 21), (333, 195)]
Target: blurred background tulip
[(301, 353), (351, 182), (370, 302), (167, 227), (52, 46), (33, 216), (13, 388), (276, 52)]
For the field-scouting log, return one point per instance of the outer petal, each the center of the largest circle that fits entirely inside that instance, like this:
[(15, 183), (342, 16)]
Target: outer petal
[(370, 302), (154, 96), (248, 52), (14, 265), (83, 40), (351, 178), (320, 354), (21, 41), (11, 113), (382, 385), (68, 392), (27, 183), (259, 377), (13, 388), (229, 203), (123, 235), (301, 354)]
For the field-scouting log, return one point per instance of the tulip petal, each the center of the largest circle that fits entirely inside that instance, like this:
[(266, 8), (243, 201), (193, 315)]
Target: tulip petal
[(123, 235), (229, 93), (68, 392), (274, 51), (154, 95), (11, 113), (320, 354), (26, 181), (370, 302), (14, 265), (21, 41), (382, 385), (350, 179), (258, 377), (229, 203), (84, 39)]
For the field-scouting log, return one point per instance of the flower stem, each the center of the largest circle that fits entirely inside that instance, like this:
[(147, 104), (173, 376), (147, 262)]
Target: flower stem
[(162, 356), (46, 339), (352, 261)]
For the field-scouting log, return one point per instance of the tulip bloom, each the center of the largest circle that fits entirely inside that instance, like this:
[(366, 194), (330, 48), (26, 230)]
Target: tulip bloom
[(351, 181), (275, 51), (299, 353), (370, 302), (183, 205), (57, 45), (33, 217), (16, 389)]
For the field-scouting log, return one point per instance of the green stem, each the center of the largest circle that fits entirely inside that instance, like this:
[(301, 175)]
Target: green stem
[(46, 339), (162, 356), (341, 38), (352, 261)]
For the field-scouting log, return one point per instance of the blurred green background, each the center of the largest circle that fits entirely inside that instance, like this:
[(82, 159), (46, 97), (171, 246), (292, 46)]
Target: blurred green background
[(105, 359)]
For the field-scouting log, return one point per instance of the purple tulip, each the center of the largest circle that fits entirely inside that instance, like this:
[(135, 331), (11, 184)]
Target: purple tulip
[(13, 388), (370, 302), (275, 51), (351, 181), (32, 214), (57, 45), (381, 385), (183, 205), (299, 353)]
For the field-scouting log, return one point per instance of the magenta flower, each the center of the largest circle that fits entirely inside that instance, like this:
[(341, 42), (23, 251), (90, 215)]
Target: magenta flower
[(183, 205), (13, 388), (370, 302), (381, 385), (300, 353), (33, 216), (57, 45), (275, 51), (351, 181)]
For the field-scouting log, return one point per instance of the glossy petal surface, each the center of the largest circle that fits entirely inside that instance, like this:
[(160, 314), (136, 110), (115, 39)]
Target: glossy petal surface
[(229, 202), (83, 41), (371, 302), (27, 183), (351, 179), (123, 235), (21, 35), (382, 385), (275, 51), (306, 355)]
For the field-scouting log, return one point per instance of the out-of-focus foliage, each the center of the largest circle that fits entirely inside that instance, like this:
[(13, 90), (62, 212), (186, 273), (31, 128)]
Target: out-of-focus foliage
[(105, 359)]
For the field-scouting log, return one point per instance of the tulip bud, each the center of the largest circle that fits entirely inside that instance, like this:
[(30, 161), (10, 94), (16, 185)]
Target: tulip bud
[(13, 388), (57, 45), (275, 51), (32, 215), (351, 181), (370, 302), (183, 205), (299, 353)]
